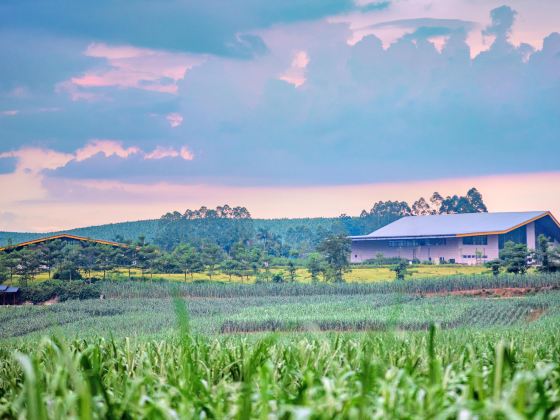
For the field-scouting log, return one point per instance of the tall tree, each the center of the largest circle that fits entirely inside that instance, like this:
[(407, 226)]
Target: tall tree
[(513, 257), (421, 208), (436, 199), (470, 203), (212, 255), (51, 254), (315, 265), (189, 259), (336, 251), (146, 256), (28, 264), (292, 271), (230, 267), (105, 259), (476, 202), (547, 255), (9, 261)]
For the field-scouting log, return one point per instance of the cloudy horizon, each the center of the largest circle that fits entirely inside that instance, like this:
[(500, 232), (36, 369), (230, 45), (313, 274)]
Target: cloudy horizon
[(110, 113)]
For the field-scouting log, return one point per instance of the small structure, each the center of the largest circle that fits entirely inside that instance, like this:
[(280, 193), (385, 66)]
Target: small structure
[(64, 237), (9, 295), (470, 238)]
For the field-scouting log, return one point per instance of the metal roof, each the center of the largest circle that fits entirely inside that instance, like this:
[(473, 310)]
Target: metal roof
[(62, 236), (8, 289), (451, 225)]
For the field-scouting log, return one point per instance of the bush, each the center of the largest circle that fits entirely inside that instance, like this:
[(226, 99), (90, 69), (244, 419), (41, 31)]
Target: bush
[(63, 290), (277, 278), (384, 261), (67, 273)]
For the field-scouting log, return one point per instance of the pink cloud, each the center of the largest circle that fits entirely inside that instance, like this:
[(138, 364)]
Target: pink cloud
[(10, 112), (106, 147), (186, 154), (34, 159), (131, 67), (295, 75), (533, 24), (174, 119), (161, 152), (77, 92)]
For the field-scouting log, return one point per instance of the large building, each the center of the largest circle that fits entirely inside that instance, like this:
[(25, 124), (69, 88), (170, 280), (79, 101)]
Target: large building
[(471, 238)]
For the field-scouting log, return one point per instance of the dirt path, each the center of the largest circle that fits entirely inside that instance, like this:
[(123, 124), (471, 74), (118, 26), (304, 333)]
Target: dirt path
[(504, 292), (535, 314)]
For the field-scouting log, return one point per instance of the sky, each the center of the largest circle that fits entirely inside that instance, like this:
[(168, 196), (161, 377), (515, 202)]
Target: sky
[(114, 111)]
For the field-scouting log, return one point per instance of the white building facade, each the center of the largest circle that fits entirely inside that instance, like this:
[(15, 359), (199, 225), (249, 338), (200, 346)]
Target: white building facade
[(472, 238)]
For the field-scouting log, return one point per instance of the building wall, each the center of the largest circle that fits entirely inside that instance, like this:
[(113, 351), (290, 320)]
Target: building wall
[(531, 238), (452, 250)]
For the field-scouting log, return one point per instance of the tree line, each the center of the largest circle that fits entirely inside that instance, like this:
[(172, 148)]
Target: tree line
[(228, 225), (70, 260)]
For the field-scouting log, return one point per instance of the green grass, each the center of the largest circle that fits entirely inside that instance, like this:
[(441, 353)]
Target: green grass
[(156, 350)]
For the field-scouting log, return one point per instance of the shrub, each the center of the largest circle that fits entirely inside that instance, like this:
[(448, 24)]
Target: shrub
[(381, 260), (67, 273), (277, 278), (63, 290)]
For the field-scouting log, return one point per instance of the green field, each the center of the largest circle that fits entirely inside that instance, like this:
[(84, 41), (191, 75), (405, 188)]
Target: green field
[(172, 350)]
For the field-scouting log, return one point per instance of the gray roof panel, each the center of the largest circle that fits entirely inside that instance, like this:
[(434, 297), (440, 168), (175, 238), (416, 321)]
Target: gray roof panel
[(452, 224)]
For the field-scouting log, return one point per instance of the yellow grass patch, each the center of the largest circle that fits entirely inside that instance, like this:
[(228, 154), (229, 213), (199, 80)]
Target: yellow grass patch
[(358, 274)]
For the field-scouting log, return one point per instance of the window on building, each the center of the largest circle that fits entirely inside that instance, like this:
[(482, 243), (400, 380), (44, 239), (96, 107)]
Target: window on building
[(475, 240), (519, 236), (410, 243)]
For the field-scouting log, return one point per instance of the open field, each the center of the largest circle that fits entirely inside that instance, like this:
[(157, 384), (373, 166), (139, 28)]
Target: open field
[(168, 350), (146, 308)]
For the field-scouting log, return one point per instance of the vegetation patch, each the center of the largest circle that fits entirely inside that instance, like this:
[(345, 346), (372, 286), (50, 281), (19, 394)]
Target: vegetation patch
[(476, 316), (61, 290)]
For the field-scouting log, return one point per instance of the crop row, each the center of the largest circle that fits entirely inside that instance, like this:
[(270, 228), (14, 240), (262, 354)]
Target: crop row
[(418, 286), (419, 375)]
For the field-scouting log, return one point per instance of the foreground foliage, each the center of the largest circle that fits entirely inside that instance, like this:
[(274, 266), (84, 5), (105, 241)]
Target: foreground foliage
[(426, 375), (162, 353)]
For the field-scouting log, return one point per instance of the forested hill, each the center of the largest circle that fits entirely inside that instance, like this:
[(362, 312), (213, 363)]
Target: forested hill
[(150, 229), (127, 230)]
